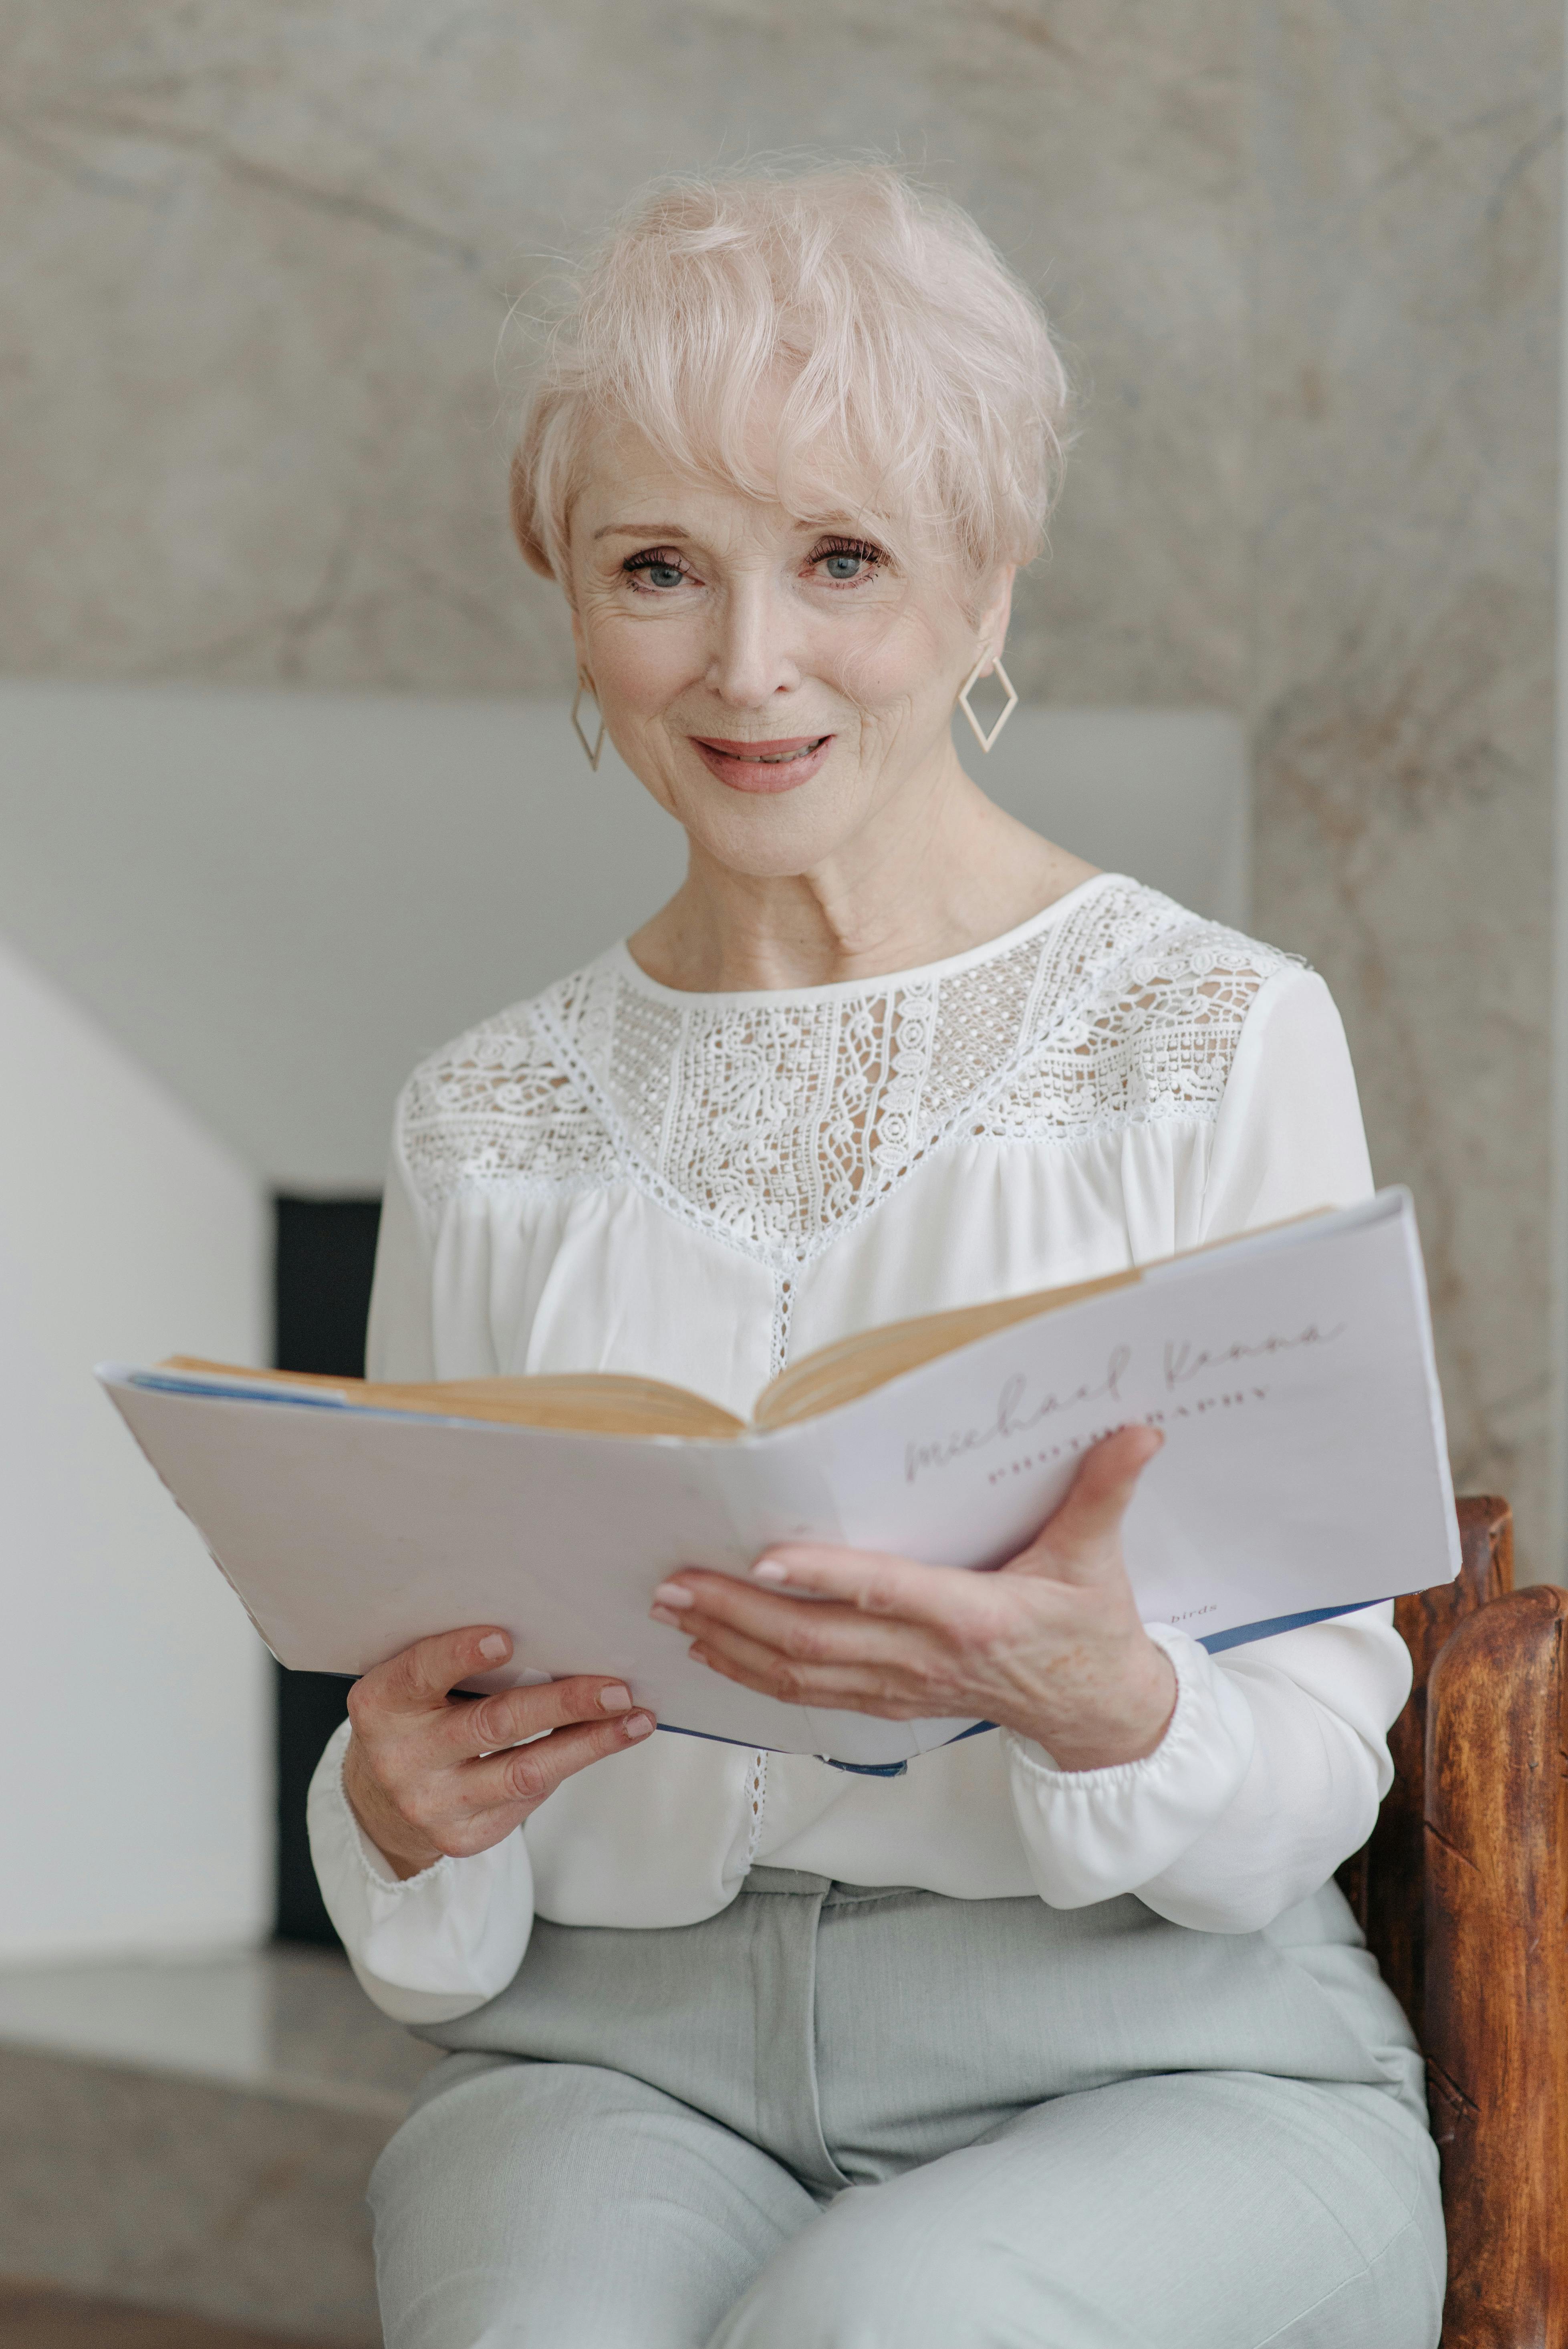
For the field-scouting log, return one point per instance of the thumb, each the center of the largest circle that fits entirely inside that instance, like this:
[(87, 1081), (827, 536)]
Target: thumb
[(1083, 1538)]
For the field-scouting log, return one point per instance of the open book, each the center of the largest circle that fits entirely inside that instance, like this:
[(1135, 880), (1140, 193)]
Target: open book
[(603, 1402), (1305, 1471)]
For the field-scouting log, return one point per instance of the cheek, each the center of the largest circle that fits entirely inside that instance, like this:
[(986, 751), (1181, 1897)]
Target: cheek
[(895, 671), (641, 665)]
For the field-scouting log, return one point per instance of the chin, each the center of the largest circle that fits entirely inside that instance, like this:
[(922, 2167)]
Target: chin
[(771, 839)]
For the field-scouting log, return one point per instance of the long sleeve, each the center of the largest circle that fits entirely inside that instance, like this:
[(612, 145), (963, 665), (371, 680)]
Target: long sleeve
[(1276, 1757), (1269, 1776), (435, 1945), (430, 1946)]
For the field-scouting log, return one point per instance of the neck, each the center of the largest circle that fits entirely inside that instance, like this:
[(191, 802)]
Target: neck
[(936, 872)]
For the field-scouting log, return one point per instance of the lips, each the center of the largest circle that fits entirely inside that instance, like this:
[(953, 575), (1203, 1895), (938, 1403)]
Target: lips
[(778, 765), (788, 748)]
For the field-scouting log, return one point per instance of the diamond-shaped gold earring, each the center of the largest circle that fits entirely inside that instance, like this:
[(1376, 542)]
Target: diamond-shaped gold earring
[(593, 749), (1008, 707)]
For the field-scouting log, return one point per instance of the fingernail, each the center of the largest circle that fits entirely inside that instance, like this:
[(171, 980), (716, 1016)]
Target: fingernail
[(673, 1594), (637, 1724), (768, 1569), (494, 1644), (664, 1615), (617, 1698)]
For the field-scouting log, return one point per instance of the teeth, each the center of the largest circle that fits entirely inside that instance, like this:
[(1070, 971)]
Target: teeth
[(782, 758)]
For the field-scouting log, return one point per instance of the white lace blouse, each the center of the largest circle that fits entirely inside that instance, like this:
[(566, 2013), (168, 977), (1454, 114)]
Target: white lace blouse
[(619, 1176)]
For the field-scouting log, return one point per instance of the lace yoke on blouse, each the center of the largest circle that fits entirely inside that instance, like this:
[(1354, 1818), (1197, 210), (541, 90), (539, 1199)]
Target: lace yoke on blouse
[(776, 1120)]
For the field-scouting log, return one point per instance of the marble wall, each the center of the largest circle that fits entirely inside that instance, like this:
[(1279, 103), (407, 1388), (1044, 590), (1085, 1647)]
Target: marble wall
[(1405, 454), (257, 261), (254, 387)]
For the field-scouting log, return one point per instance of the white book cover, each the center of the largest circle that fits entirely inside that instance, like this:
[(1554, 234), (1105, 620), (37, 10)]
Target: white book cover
[(1304, 1473)]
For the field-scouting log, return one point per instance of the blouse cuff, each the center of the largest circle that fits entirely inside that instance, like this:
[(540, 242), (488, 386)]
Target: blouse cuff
[(1091, 1834), (426, 1948)]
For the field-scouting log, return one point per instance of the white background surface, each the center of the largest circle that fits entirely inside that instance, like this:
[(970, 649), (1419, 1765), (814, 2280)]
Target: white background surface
[(135, 1733)]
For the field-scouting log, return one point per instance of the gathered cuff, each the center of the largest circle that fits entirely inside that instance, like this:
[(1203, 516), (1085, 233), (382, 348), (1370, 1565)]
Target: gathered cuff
[(426, 1948), (1091, 1834), (383, 1877)]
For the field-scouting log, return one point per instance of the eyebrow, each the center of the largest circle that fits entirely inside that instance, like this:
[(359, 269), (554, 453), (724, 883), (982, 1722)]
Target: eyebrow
[(805, 524)]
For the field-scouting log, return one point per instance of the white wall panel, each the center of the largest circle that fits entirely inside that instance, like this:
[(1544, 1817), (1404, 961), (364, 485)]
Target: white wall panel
[(135, 1730)]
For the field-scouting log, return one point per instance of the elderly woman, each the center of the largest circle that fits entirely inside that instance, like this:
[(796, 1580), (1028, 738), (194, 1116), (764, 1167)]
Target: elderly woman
[(1062, 2035)]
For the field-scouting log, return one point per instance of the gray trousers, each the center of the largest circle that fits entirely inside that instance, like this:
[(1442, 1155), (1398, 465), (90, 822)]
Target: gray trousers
[(842, 2118)]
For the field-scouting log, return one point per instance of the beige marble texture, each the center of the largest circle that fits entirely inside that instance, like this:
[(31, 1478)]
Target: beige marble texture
[(197, 2135), (258, 262), (1409, 196), (183, 2194), (283, 2022)]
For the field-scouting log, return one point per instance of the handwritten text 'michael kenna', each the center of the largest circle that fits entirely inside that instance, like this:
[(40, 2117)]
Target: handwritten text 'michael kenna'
[(1017, 1410)]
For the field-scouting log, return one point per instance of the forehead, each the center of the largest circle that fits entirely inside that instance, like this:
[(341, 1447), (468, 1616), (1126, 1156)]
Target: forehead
[(625, 481)]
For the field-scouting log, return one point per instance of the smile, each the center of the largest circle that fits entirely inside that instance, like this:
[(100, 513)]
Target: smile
[(774, 766)]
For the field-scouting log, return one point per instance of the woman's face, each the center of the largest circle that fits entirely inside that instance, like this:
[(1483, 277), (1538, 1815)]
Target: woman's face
[(776, 684)]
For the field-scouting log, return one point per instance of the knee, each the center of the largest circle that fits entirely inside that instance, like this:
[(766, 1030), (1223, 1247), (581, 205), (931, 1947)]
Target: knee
[(847, 2281)]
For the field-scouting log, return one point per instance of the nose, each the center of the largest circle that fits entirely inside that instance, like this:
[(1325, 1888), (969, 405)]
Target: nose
[(754, 655)]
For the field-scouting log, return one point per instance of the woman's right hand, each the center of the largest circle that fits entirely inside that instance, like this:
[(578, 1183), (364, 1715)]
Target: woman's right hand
[(430, 1771)]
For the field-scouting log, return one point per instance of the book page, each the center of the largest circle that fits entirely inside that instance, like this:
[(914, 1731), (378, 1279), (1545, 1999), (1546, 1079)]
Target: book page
[(836, 1374), (347, 1534), (1304, 1467), (594, 1401)]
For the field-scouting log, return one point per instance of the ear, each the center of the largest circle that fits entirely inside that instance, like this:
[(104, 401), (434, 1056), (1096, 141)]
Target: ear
[(535, 557), (520, 506), (996, 608)]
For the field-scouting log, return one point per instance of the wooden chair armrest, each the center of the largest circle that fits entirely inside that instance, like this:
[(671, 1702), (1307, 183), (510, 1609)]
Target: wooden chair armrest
[(1496, 2007), (1384, 1881)]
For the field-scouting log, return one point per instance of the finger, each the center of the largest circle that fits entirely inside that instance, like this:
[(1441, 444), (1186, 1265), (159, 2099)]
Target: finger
[(843, 1688), (801, 1650), (422, 1676), (527, 1774), (482, 1724), (807, 1628), (1082, 1539), (872, 1582)]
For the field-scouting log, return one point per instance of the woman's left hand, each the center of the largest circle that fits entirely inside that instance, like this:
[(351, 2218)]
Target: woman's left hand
[(1050, 1645)]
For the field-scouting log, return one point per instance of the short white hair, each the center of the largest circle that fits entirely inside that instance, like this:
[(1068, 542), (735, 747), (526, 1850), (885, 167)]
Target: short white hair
[(921, 382)]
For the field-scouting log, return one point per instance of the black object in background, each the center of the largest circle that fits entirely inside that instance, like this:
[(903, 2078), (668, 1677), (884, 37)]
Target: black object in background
[(324, 1252)]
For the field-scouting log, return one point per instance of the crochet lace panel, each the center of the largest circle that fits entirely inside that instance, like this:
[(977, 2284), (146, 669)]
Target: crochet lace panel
[(775, 1125)]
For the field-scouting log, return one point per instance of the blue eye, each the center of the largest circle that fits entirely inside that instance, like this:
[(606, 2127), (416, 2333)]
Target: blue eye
[(847, 562), (661, 574)]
